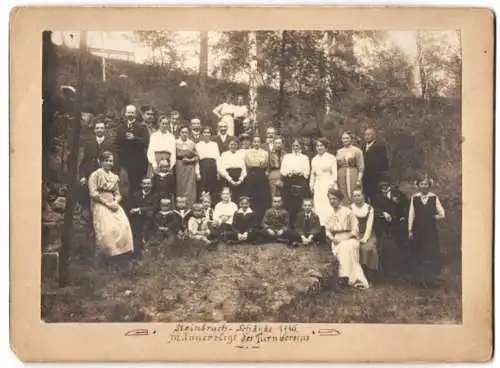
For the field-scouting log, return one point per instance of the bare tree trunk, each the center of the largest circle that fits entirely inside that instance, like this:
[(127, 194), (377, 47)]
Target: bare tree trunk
[(252, 80), (281, 103), (72, 168), (327, 46), (420, 67), (203, 58)]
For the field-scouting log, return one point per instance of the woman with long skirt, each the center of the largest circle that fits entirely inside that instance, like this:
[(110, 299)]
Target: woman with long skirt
[(113, 234), (232, 169), (295, 170), (425, 211), (186, 167), (323, 177), (257, 184), (206, 169), (365, 214), (350, 166), (343, 232)]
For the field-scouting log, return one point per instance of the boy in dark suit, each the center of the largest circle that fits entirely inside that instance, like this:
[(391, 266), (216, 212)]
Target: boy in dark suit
[(143, 207), (276, 223), (132, 141), (307, 228), (376, 163)]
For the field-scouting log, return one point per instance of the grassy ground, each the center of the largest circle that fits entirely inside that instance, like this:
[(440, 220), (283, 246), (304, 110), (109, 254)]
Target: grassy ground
[(245, 283)]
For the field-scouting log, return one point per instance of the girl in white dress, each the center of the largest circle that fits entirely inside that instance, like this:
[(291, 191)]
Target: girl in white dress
[(323, 177)]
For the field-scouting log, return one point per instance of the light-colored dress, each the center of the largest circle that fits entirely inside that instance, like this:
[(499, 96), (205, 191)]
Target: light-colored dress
[(368, 254), (186, 171), (113, 234), (349, 163), (323, 176), (343, 227)]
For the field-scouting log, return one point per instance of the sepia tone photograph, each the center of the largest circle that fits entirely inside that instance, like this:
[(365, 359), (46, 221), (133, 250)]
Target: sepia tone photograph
[(291, 176)]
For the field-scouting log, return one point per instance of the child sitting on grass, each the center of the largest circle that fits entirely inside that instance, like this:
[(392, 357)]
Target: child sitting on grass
[(276, 223), (223, 216), (165, 222), (307, 228), (244, 223), (198, 226), (182, 215)]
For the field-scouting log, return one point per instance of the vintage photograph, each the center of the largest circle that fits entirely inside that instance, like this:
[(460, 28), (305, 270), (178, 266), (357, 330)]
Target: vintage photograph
[(292, 176)]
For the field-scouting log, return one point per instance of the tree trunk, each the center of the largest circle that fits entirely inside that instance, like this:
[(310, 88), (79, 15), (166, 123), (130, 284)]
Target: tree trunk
[(253, 78), (203, 58), (327, 46), (72, 191), (420, 75), (281, 103)]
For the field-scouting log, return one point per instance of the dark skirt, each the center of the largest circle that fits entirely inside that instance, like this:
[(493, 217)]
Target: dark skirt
[(236, 190), (294, 191), (424, 251), (257, 188), (238, 126), (208, 172)]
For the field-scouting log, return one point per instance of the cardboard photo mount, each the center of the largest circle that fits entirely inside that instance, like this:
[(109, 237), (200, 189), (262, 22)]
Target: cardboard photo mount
[(34, 340)]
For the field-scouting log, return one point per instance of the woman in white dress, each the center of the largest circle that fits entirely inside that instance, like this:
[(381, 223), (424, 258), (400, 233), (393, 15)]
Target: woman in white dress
[(111, 225), (343, 232), (323, 177)]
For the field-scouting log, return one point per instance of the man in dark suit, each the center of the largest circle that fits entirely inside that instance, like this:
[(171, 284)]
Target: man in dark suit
[(132, 141), (391, 208), (222, 138), (90, 162), (376, 163), (174, 123), (143, 207), (195, 127)]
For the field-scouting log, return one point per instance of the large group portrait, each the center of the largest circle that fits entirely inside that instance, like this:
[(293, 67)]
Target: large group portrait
[(311, 177)]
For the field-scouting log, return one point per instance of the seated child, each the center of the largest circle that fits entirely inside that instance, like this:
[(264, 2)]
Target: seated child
[(208, 211), (163, 181), (182, 215), (307, 228), (143, 206), (276, 223), (244, 223), (198, 225), (165, 222), (223, 216)]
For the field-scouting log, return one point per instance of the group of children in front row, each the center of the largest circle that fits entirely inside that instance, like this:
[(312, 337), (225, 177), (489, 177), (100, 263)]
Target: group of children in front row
[(154, 220)]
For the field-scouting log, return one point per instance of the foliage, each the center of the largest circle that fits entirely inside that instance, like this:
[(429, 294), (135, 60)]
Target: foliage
[(373, 83)]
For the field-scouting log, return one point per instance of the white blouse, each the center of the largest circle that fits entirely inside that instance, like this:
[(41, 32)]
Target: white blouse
[(425, 197), (240, 111), (224, 109), (362, 212), (207, 150), (158, 142), (225, 209), (295, 162), (230, 160)]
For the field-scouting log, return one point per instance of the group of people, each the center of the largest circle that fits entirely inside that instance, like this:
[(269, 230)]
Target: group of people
[(186, 183)]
